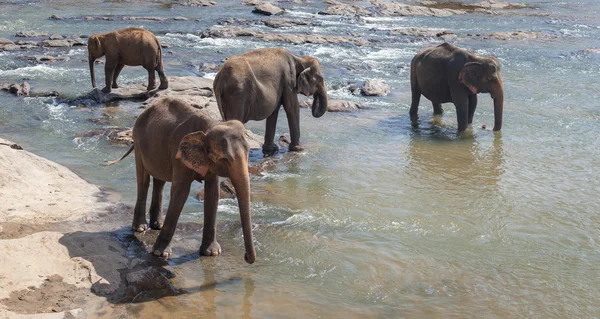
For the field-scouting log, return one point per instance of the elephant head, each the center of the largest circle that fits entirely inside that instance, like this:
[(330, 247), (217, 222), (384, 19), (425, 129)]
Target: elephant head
[(95, 51), (483, 75), (310, 82), (223, 150)]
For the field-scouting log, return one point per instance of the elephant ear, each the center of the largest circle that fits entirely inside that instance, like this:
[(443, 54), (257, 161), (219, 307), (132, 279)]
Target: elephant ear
[(303, 82), (472, 75), (193, 152)]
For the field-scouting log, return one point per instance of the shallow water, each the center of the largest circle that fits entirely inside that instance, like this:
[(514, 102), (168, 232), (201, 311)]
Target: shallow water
[(375, 219)]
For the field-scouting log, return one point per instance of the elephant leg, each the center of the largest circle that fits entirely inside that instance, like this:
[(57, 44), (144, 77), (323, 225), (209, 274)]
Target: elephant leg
[(416, 98), (437, 108), (151, 78), (180, 191), (116, 75), (109, 71), (156, 205), (210, 246), (462, 115), (143, 182), (472, 107), (269, 147), (164, 83), (293, 116)]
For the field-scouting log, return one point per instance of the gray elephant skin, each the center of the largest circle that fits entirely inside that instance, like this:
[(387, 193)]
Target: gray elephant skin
[(129, 46), (175, 142), (254, 85), (447, 73)]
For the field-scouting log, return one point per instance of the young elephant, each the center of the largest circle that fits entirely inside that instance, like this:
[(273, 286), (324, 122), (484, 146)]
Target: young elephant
[(175, 142), (129, 46), (254, 85), (447, 73)]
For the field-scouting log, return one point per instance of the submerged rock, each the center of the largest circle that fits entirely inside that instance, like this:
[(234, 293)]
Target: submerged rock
[(267, 9), (337, 105), (16, 89), (284, 22), (515, 35), (594, 50), (417, 32), (64, 42), (31, 34)]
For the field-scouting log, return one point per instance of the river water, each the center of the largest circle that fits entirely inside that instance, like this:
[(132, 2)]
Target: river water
[(376, 219)]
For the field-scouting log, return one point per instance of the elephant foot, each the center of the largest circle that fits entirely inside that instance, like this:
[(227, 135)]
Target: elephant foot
[(213, 249), (270, 150), (157, 225), (414, 117), (115, 86), (106, 89), (296, 148), (140, 227), (151, 87), (164, 86), (161, 249)]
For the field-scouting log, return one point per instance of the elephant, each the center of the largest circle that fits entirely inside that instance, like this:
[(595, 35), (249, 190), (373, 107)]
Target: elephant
[(447, 73), (254, 85), (128, 46), (175, 142)]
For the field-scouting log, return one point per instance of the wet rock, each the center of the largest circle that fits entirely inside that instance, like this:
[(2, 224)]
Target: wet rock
[(197, 3), (485, 5), (594, 50), (63, 43), (235, 21), (400, 9), (130, 18), (516, 35), (375, 87), (426, 33), (148, 279), (46, 58), (16, 89), (180, 19), (9, 47), (343, 9), (116, 135), (4, 41), (55, 36), (293, 38), (27, 43), (252, 2), (208, 67), (55, 17), (98, 18), (284, 22), (267, 9), (337, 105), (30, 34)]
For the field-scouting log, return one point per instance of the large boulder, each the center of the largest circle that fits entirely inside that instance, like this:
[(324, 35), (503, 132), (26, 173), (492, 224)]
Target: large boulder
[(267, 9), (375, 87)]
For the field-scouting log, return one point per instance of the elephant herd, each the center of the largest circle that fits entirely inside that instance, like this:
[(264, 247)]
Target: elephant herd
[(175, 142)]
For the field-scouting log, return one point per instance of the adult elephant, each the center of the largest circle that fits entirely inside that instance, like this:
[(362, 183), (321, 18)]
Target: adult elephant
[(129, 46), (254, 85), (447, 73), (175, 142)]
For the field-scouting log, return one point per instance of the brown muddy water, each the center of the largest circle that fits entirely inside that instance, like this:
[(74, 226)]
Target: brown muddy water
[(376, 219)]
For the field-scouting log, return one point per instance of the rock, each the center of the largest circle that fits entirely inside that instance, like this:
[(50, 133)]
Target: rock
[(16, 89), (283, 22), (98, 18), (31, 34), (400, 9), (55, 17), (197, 3), (130, 18), (46, 58), (375, 87), (24, 42), (517, 35), (9, 47), (252, 2), (594, 50), (208, 67), (267, 9), (180, 19), (148, 279), (63, 43), (417, 32), (337, 105), (338, 8), (481, 6), (236, 21), (116, 135), (56, 37), (293, 38), (4, 41)]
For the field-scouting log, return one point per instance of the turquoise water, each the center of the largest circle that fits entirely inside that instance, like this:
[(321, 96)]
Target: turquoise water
[(375, 219)]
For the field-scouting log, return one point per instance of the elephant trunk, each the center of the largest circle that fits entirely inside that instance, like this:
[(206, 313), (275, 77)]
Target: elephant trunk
[(498, 96), (319, 106), (238, 174), (92, 61)]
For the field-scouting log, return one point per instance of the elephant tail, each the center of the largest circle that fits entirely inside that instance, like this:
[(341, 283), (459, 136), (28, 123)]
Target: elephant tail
[(159, 56), (108, 163)]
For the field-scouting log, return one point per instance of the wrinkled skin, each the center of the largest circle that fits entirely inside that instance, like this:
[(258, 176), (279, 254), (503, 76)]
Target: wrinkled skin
[(254, 85), (446, 73), (175, 142), (129, 46)]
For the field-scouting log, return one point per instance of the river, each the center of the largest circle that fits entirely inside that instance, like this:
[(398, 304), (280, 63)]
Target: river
[(375, 219)]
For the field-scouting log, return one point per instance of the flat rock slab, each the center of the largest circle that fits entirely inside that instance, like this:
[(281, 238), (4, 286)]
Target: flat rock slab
[(267, 9), (285, 22), (337, 105), (293, 38)]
